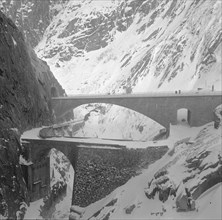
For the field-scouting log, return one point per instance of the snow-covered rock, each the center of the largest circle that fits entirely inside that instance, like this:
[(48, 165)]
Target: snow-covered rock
[(135, 46), (76, 212), (180, 171), (218, 117)]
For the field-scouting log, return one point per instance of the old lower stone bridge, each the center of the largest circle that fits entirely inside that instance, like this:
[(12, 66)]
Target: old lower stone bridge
[(37, 167), (83, 154), (161, 107)]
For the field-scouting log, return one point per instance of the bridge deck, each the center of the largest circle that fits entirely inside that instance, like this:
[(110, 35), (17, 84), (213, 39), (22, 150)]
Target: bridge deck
[(32, 136), (137, 95), (97, 143)]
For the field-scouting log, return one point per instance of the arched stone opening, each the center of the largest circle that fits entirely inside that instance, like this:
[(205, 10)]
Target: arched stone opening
[(61, 185), (183, 116), (60, 163), (54, 92), (39, 174), (113, 121)]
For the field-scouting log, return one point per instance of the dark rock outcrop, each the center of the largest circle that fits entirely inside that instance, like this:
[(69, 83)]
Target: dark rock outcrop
[(25, 84), (58, 192), (76, 212), (67, 129), (202, 168), (32, 17)]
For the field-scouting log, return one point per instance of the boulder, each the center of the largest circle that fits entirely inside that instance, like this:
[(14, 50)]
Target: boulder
[(74, 216), (182, 203), (77, 209), (130, 208), (47, 132)]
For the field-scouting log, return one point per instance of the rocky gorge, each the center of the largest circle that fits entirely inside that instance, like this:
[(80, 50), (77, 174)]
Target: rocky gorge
[(109, 47)]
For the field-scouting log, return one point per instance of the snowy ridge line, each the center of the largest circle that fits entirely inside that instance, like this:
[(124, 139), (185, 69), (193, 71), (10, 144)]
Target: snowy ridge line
[(155, 94)]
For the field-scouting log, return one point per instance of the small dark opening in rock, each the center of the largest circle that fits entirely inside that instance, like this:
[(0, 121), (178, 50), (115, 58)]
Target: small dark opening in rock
[(54, 92)]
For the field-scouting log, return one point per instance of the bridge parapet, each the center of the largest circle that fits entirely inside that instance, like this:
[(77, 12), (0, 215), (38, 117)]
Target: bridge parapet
[(139, 95)]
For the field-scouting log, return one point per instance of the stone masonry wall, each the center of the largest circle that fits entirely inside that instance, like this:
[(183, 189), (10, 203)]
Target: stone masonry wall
[(100, 171)]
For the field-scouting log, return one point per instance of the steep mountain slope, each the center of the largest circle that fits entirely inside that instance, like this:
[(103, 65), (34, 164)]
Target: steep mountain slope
[(25, 93), (133, 46), (32, 17)]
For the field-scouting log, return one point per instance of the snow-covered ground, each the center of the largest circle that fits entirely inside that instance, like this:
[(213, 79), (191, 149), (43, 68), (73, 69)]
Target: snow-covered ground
[(132, 193), (62, 208), (33, 210)]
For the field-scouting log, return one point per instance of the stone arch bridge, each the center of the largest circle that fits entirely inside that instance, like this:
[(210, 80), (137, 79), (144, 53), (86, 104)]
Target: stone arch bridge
[(161, 107)]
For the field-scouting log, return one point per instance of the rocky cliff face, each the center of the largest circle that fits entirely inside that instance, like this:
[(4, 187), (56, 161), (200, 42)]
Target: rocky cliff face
[(25, 92), (32, 17)]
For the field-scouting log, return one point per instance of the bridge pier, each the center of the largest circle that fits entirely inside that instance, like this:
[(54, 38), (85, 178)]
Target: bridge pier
[(73, 158), (36, 174)]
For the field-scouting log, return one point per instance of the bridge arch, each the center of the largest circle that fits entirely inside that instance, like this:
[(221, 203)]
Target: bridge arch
[(38, 154), (153, 114), (136, 122), (61, 179), (183, 116)]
